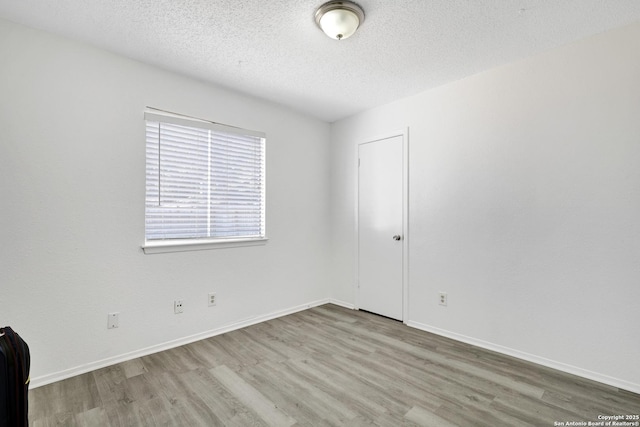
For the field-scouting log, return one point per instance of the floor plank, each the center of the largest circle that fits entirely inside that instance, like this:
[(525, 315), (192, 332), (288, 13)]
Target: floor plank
[(252, 398), (326, 366)]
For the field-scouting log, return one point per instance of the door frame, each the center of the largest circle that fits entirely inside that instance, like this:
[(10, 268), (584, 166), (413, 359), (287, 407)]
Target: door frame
[(404, 133)]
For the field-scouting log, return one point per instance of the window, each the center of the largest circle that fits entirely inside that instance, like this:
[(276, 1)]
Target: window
[(205, 184)]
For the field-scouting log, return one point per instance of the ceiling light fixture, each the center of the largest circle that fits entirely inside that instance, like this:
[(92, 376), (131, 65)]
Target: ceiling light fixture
[(339, 19)]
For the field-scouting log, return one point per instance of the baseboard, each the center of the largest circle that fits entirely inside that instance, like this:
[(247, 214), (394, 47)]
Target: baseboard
[(605, 379), (72, 372), (68, 373), (342, 304)]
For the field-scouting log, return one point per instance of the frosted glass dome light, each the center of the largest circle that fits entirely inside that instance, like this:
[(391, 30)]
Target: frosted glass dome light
[(339, 19)]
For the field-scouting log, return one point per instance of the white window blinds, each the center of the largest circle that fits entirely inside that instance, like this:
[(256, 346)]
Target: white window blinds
[(203, 180)]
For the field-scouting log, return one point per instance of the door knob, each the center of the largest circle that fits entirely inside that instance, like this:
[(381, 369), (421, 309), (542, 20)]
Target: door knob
[(397, 237)]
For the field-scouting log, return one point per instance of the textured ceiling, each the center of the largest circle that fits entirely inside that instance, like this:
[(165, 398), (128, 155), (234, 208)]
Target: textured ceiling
[(273, 50)]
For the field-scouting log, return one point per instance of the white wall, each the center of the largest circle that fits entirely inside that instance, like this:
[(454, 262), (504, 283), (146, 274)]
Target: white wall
[(524, 206), (72, 217)]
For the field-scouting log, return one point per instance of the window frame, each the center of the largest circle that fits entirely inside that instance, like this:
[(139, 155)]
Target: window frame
[(154, 246)]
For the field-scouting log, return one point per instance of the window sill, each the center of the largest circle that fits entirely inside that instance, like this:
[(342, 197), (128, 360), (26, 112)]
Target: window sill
[(167, 246)]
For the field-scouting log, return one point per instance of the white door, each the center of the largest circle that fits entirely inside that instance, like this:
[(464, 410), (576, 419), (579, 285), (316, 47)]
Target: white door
[(380, 227)]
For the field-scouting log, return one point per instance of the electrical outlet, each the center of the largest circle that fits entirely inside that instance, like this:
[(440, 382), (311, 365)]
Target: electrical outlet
[(212, 299), (113, 320), (178, 306), (443, 298)]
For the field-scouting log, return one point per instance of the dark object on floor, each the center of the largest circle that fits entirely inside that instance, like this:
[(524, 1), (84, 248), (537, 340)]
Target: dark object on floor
[(15, 362)]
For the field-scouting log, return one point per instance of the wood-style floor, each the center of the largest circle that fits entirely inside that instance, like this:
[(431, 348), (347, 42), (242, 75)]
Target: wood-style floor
[(326, 366)]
